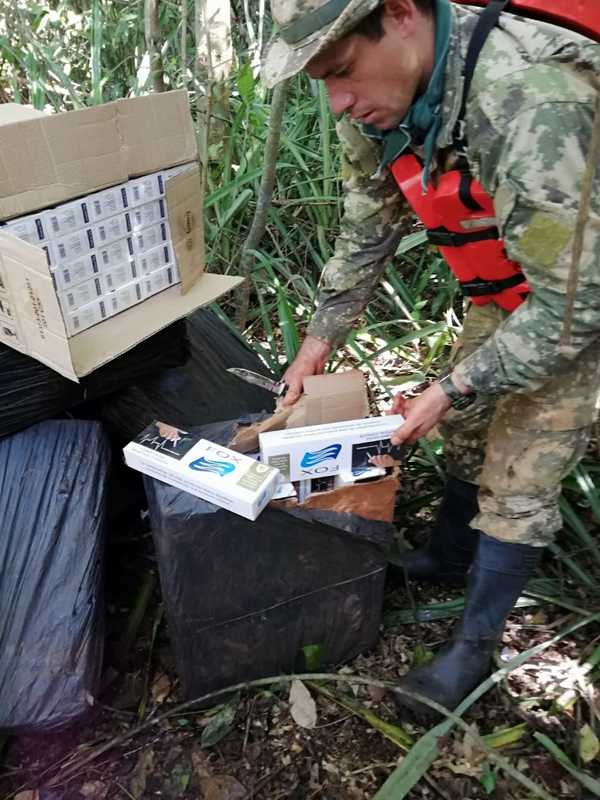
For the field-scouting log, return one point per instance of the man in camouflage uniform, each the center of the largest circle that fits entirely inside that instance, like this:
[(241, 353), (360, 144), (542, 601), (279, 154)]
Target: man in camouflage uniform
[(529, 120)]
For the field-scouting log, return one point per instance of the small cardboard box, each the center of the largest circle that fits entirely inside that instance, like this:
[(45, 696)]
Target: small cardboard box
[(228, 479), (50, 159), (330, 398), (338, 447)]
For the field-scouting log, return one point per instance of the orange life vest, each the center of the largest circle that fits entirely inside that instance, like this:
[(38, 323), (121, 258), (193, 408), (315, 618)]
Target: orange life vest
[(459, 217)]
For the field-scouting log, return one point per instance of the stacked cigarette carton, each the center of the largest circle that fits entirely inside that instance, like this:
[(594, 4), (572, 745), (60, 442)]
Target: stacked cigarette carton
[(107, 251)]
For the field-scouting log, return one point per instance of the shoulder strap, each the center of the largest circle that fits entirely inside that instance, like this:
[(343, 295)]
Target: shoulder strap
[(488, 19)]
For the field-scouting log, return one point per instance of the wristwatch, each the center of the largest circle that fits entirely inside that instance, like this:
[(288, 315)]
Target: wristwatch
[(457, 399)]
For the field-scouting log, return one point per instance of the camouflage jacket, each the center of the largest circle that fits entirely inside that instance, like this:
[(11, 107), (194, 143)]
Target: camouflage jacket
[(528, 122)]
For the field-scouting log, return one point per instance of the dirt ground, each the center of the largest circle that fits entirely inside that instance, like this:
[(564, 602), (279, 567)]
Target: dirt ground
[(264, 752)]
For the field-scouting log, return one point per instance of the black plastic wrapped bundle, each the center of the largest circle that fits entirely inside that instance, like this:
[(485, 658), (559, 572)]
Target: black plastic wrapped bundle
[(196, 393), (250, 599), (53, 486), (31, 392)]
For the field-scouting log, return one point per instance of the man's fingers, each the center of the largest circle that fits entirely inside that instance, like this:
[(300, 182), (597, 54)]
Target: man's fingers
[(402, 434), (291, 396)]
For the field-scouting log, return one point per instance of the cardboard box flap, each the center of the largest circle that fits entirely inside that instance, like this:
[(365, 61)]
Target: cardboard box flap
[(156, 131), (186, 220), (13, 112), (330, 398), (48, 159), (100, 344)]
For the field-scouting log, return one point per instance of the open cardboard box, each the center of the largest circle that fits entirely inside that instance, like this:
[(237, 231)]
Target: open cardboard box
[(50, 159), (334, 397)]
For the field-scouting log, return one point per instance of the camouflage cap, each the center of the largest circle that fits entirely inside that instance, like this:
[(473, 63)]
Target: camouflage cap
[(305, 28)]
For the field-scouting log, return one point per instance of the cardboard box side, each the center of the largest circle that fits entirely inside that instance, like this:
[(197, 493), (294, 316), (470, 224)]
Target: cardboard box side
[(186, 220), (100, 344), (37, 327)]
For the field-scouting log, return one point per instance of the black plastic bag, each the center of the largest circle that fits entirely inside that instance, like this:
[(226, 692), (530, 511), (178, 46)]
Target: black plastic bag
[(199, 392), (53, 485), (30, 391), (252, 599)]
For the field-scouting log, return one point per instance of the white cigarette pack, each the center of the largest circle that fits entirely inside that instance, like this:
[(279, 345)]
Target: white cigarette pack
[(124, 297), (65, 219), (79, 295), (115, 253), (71, 246), (144, 189), (147, 214), (86, 316), (111, 229), (106, 203), (315, 451), (151, 237), (228, 479), (78, 271), (30, 228), (158, 280), (154, 259), (115, 277)]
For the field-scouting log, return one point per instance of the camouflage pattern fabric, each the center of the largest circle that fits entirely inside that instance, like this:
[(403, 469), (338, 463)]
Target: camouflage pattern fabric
[(518, 447), (305, 28), (529, 122), (372, 225)]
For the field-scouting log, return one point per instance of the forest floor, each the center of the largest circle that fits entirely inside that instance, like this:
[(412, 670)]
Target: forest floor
[(133, 745)]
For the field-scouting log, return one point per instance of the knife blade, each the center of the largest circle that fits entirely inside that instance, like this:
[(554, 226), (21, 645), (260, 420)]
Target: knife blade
[(255, 378)]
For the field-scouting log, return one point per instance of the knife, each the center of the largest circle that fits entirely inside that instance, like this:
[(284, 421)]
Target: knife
[(255, 378)]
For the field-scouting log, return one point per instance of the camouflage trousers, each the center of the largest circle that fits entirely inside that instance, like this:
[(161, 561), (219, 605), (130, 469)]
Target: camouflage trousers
[(518, 447)]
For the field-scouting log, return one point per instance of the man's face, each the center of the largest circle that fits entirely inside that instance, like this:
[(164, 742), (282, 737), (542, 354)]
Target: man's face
[(375, 82)]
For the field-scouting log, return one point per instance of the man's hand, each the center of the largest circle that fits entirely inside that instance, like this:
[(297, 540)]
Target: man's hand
[(421, 413), (310, 360), (168, 432)]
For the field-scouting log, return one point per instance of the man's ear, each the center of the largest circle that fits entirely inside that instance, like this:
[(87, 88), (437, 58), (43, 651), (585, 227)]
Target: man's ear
[(401, 15)]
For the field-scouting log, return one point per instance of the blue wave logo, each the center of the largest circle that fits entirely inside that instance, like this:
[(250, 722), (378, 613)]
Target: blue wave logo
[(332, 451), (220, 468)]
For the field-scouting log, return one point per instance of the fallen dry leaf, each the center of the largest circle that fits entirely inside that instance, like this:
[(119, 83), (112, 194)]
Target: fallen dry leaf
[(302, 707), (200, 762), (161, 689), (94, 789), (142, 770), (222, 787), (377, 693)]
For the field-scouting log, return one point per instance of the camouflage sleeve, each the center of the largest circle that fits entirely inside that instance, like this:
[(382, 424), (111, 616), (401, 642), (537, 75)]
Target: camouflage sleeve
[(369, 234), (537, 184)]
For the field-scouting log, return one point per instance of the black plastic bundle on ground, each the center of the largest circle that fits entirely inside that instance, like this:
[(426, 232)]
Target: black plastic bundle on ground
[(53, 487), (30, 391), (251, 599), (196, 393)]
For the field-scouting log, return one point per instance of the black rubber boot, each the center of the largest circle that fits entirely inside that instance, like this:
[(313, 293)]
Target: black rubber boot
[(497, 577), (448, 554)]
